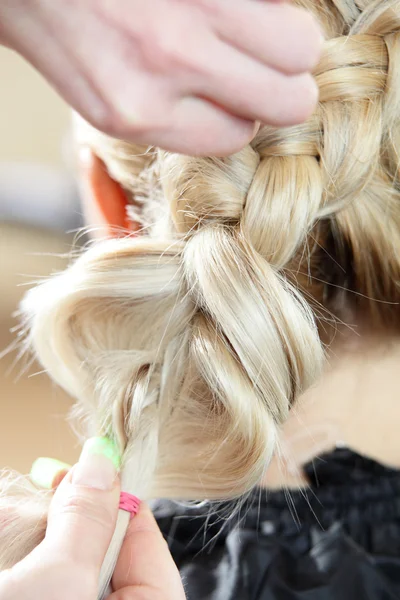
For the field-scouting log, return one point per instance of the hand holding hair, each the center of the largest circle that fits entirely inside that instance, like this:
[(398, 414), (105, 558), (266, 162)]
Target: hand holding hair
[(82, 518), (190, 76)]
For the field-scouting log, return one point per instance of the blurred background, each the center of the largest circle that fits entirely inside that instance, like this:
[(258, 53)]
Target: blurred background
[(39, 209)]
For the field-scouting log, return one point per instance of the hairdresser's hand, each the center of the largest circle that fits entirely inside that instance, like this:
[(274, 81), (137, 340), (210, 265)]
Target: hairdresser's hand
[(191, 76), (66, 565)]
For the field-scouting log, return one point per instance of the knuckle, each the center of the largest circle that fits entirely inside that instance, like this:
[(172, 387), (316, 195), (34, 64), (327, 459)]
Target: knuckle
[(85, 507), (118, 125), (146, 126), (173, 48), (104, 121), (163, 53)]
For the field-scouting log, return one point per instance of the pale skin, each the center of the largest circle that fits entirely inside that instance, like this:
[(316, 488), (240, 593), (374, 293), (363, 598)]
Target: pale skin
[(191, 76), (356, 403)]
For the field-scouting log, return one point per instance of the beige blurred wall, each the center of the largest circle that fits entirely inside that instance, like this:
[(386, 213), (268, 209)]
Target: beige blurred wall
[(33, 124), (33, 119)]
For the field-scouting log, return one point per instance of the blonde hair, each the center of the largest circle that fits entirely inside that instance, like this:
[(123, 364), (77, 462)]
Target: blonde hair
[(189, 344)]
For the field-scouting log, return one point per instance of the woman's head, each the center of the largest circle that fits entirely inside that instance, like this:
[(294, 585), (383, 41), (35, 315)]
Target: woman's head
[(188, 340), (347, 150)]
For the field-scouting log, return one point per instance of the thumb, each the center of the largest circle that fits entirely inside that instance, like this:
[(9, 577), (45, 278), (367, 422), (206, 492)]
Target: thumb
[(84, 509)]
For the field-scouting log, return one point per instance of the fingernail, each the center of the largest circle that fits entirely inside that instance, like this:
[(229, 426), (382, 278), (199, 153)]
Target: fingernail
[(46, 471), (98, 464)]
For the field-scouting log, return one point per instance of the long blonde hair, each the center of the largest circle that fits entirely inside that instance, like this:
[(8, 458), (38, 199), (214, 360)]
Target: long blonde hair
[(189, 344)]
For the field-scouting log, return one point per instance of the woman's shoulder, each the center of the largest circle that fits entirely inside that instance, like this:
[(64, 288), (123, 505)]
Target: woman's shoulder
[(339, 535)]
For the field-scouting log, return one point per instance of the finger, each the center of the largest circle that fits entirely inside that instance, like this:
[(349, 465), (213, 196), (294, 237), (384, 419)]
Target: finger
[(156, 110), (282, 36), (48, 473), (84, 509), (199, 128), (145, 565), (256, 92)]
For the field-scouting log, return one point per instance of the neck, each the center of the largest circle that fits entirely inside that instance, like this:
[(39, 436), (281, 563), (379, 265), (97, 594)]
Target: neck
[(356, 403)]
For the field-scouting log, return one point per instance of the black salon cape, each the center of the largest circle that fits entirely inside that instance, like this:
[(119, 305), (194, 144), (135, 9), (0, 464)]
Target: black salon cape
[(337, 540)]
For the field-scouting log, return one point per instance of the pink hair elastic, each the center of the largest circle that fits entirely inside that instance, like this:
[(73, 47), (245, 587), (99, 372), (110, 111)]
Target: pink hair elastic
[(129, 503)]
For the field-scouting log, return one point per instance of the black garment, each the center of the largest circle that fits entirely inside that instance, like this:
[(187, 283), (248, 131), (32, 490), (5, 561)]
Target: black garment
[(337, 540)]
